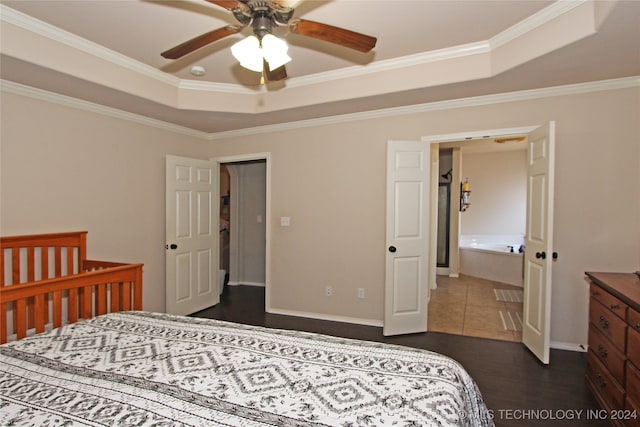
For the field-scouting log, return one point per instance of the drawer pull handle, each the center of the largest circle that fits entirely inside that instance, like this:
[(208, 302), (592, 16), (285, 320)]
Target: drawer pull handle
[(601, 380), (614, 306), (602, 351), (638, 326), (604, 323)]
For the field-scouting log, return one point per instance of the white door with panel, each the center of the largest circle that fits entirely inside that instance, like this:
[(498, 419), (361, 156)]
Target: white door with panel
[(539, 242), (407, 243), (192, 208)]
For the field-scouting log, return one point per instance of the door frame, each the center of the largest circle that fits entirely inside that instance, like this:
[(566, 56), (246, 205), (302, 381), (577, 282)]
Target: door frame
[(433, 199), (470, 136), (267, 215)]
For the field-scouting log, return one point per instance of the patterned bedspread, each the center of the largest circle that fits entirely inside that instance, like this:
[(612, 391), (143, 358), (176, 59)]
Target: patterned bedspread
[(152, 369)]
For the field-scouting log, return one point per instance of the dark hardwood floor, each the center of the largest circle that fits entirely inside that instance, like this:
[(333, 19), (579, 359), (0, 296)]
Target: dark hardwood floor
[(518, 389)]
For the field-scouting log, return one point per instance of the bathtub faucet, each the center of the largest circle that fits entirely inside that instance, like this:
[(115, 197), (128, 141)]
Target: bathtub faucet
[(510, 249)]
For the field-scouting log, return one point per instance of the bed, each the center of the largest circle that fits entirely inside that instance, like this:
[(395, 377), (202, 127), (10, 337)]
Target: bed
[(133, 367)]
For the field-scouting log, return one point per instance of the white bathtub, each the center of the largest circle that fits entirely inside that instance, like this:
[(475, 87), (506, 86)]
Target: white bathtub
[(490, 257)]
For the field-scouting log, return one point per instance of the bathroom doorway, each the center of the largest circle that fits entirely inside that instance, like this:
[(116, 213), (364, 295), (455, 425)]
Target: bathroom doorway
[(467, 300)]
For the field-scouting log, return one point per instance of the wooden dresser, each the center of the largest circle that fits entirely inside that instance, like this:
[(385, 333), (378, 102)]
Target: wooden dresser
[(613, 359)]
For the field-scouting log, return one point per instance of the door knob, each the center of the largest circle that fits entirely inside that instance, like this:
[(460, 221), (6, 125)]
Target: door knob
[(541, 255), (392, 249), (171, 246), (554, 255)]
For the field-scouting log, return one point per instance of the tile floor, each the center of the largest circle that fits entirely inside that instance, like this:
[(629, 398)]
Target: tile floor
[(468, 306)]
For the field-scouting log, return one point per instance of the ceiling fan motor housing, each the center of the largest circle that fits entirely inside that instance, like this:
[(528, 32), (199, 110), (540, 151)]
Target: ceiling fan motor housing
[(261, 25), (265, 14)]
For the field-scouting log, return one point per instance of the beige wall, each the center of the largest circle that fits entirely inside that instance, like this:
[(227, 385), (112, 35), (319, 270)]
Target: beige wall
[(498, 184), (331, 181), (65, 169)]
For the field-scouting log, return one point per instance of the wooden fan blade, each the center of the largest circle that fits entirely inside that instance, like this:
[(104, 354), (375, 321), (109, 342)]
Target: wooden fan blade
[(227, 4), (200, 41), (329, 33), (274, 75)]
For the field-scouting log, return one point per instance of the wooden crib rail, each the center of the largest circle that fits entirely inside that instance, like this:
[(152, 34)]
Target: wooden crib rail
[(42, 270), (110, 288), (22, 251)]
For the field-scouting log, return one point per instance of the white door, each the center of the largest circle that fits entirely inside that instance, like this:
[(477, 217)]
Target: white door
[(192, 208), (539, 241), (407, 248)]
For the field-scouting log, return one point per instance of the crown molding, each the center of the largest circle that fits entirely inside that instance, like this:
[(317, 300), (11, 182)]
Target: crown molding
[(12, 16), (597, 86), (43, 95), (534, 21), (218, 87), (476, 101), (7, 86), (392, 64)]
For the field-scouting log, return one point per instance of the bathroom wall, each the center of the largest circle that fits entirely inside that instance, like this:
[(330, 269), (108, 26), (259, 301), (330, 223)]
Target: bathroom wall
[(497, 181)]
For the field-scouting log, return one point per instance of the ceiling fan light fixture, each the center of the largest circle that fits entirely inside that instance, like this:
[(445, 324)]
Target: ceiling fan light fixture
[(251, 52), (275, 51), (248, 52)]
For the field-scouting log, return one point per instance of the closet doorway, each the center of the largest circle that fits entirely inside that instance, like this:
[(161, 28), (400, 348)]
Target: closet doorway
[(244, 215)]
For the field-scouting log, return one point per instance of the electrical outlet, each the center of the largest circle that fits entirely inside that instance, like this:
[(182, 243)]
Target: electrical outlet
[(328, 291), (361, 293)]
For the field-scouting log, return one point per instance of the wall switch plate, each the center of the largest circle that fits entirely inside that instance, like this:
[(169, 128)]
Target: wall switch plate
[(285, 221), (328, 291), (361, 293)]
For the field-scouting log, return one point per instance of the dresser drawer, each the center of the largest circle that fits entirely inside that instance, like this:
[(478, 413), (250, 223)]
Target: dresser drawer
[(614, 328), (633, 319), (633, 383), (611, 358), (633, 346), (603, 383), (616, 306)]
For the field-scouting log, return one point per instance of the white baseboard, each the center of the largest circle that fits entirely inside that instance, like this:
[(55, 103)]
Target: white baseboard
[(330, 317), (260, 285), (568, 346)]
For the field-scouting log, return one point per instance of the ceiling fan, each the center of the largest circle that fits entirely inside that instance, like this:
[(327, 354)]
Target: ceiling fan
[(263, 16)]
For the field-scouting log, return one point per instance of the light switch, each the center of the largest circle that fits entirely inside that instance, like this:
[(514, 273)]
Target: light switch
[(259, 219), (285, 221)]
